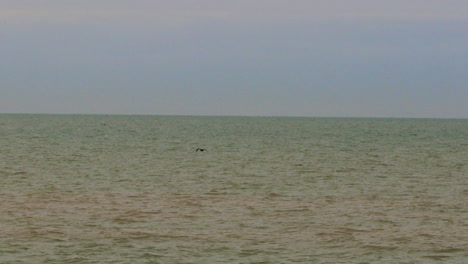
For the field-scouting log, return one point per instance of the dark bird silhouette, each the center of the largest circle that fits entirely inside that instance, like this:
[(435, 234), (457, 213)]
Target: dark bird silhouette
[(200, 149)]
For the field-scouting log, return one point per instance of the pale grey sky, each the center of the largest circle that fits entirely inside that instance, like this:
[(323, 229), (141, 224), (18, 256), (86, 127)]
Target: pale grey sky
[(213, 57)]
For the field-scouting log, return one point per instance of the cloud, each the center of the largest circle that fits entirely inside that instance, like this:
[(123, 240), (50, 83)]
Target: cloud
[(254, 57), (246, 11)]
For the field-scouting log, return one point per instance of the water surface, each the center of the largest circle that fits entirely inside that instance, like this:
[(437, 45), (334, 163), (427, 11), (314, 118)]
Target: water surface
[(132, 189)]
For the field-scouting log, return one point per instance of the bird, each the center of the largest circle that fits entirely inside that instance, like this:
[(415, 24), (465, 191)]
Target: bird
[(200, 149)]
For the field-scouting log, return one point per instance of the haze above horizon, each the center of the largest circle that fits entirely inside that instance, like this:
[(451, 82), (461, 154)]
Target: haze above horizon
[(235, 58)]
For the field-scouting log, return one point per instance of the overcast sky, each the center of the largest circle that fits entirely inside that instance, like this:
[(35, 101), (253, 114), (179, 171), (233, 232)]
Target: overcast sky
[(353, 58)]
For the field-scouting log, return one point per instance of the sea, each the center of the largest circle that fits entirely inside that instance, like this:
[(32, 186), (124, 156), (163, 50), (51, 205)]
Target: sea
[(133, 189)]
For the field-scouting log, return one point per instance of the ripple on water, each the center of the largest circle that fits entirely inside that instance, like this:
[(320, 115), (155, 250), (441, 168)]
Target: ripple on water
[(267, 191)]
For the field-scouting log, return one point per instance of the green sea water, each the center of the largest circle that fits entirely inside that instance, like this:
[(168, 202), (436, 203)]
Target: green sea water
[(132, 189)]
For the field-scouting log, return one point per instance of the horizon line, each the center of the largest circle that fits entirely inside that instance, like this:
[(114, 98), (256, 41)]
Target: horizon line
[(214, 115)]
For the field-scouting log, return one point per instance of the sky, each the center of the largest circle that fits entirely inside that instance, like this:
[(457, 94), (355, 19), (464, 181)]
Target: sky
[(318, 58)]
